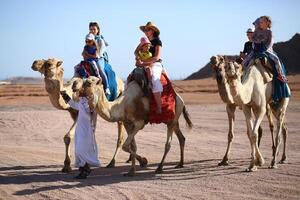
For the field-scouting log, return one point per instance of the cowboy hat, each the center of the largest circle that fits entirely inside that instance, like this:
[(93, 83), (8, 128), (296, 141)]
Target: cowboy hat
[(151, 26)]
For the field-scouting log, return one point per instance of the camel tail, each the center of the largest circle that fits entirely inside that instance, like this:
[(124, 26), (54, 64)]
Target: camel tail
[(187, 118)]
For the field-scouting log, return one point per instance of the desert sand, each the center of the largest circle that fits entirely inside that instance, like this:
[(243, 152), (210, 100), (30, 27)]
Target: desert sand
[(32, 153)]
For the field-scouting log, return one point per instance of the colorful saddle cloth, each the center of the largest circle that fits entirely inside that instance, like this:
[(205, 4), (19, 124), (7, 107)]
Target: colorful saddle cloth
[(168, 102)]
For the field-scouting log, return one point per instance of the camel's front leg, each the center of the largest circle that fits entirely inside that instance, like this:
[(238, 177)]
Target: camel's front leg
[(67, 140), (167, 147), (259, 113), (130, 145), (230, 108), (119, 144), (247, 112)]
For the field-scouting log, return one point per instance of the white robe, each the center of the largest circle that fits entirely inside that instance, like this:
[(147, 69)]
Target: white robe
[(86, 150)]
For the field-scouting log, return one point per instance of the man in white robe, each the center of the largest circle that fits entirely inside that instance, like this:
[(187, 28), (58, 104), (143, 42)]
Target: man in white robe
[(86, 150)]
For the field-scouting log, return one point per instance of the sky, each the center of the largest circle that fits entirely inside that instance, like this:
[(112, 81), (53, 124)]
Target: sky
[(191, 30)]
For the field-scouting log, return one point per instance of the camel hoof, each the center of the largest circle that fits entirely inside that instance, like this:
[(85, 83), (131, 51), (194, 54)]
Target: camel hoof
[(111, 164), (223, 163), (273, 167), (66, 169), (180, 165), (283, 162), (259, 162), (251, 169), (159, 170), (131, 173), (143, 162)]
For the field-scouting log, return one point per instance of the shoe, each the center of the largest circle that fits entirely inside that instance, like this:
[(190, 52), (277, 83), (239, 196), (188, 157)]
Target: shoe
[(107, 92)]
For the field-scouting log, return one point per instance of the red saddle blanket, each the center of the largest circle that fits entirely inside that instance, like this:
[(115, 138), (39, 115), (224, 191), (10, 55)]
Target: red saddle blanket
[(168, 100)]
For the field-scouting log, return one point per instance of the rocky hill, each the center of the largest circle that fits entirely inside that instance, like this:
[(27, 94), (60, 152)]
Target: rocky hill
[(288, 51)]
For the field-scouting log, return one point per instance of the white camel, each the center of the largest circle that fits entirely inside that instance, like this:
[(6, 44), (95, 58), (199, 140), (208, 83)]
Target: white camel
[(53, 72), (253, 94), (132, 108)]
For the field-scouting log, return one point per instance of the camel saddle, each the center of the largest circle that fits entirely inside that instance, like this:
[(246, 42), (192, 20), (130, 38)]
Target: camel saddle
[(168, 96), (264, 67)]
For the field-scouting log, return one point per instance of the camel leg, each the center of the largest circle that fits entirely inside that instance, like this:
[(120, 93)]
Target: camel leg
[(67, 140), (167, 147), (130, 145), (285, 135), (247, 112), (181, 140), (259, 113), (280, 123), (271, 125), (119, 144), (230, 113), (259, 135)]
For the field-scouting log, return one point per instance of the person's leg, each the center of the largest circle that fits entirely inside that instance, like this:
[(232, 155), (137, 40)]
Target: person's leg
[(281, 75), (156, 85), (95, 68), (100, 65)]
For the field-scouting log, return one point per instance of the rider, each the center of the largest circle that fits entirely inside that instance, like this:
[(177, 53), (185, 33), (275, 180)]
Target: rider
[(152, 33)]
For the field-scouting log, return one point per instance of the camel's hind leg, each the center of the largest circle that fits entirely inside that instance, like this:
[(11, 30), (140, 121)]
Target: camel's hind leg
[(230, 108), (280, 124), (120, 142), (67, 140), (181, 140), (285, 135), (167, 147)]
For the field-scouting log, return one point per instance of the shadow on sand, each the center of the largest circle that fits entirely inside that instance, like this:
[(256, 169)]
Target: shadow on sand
[(51, 174)]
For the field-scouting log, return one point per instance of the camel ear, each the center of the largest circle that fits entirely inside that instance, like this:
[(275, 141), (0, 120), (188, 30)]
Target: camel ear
[(59, 63)]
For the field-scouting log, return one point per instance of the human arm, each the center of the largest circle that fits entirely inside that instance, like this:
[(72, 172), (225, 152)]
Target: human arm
[(100, 47)]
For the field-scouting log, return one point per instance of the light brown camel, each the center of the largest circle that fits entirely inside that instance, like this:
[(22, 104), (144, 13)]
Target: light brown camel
[(253, 94), (53, 72), (217, 63), (132, 107)]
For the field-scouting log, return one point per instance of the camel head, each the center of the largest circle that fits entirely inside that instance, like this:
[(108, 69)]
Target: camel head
[(51, 68), (233, 71), (217, 63), (89, 89), (86, 88)]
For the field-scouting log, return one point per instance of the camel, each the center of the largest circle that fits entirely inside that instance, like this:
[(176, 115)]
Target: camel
[(132, 108), (254, 94), (53, 72), (217, 65)]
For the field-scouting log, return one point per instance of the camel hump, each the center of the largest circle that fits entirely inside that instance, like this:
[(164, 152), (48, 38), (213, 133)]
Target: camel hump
[(264, 68)]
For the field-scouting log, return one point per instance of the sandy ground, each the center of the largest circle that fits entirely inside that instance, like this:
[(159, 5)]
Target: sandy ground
[(32, 154)]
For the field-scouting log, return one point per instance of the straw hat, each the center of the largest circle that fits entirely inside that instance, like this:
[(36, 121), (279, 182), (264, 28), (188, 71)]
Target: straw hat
[(151, 26)]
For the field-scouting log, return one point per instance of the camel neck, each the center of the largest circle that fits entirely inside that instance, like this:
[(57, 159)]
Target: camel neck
[(53, 88), (223, 89), (242, 90), (110, 111)]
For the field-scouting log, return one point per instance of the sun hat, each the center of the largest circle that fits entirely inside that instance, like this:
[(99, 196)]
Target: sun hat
[(144, 41), (250, 30), (256, 22), (150, 25), (90, 36)]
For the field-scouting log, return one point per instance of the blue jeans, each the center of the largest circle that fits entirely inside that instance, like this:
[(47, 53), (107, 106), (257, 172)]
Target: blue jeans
[(100, 65)]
